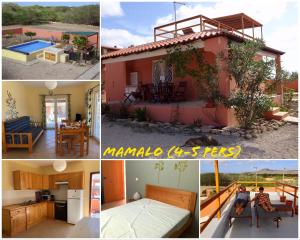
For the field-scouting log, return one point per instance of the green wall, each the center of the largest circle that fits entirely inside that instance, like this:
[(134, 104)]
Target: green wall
[(146, 174)]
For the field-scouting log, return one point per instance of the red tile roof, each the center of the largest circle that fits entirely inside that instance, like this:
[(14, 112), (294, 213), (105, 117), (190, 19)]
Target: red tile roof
[(178, 40)]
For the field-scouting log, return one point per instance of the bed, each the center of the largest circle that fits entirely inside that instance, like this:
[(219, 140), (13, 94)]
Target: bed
[(164, 212)]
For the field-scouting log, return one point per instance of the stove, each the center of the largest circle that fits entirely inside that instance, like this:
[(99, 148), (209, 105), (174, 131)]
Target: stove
[(61, 210)]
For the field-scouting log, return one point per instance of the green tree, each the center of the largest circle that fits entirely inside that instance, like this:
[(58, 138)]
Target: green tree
[(30, 34), (80, 43), (190, 61), (249, 73)]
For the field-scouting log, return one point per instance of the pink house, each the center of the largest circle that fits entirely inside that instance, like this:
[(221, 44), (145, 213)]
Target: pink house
[(131, 69)]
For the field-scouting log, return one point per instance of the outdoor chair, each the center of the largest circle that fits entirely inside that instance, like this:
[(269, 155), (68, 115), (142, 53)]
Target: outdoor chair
[(179, 94), (260, 213), (147, 92), (247, 213)]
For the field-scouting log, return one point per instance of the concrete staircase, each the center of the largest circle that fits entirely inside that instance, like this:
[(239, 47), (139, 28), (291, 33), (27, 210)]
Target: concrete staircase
[(276, 114)]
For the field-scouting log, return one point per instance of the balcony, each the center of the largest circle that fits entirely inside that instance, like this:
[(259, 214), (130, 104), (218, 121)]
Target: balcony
[(215, 212), (239, 24)]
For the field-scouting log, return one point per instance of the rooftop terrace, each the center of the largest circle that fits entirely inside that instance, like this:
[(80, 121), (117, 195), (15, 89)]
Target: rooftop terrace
[(212, 226), (238, 24)]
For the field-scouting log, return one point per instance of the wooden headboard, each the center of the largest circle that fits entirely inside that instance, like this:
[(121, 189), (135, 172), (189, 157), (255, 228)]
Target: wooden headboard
[(172, 196)]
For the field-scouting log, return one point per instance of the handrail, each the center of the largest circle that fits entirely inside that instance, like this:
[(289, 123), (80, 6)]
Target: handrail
[(204, 21), (208, 201)]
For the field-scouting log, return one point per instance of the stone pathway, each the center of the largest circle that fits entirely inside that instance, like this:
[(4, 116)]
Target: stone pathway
[(276, 144)]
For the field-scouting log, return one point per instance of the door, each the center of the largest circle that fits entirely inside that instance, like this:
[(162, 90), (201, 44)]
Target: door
[(96, 117), (18, 221), (56, 110), (113, 180), (94, 194)]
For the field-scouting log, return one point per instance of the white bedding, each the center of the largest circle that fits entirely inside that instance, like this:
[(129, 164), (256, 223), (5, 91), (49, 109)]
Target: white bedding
[(142, 219)]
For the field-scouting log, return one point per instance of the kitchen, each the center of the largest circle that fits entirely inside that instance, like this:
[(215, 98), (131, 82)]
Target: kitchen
[(40, 194)]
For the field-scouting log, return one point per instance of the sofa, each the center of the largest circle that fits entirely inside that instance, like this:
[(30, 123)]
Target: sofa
[(20, 133)]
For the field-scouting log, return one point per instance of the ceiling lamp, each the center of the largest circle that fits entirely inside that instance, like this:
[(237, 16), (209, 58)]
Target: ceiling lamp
[(51, 84), (59, 165)]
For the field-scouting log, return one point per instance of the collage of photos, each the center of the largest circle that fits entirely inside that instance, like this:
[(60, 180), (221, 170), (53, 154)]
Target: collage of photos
[(150, 119)]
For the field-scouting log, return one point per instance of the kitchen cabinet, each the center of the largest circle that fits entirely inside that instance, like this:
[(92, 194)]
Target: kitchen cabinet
[(52, 181), (62, 177), (43, 210), (32, 215), (50, 210), (45, 183), (22, 180), (76, 180), (14, 221), (37, 181)]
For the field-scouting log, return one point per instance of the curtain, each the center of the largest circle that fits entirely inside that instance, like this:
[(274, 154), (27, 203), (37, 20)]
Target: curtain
[(89, 109), (69, 106), (43, 111)]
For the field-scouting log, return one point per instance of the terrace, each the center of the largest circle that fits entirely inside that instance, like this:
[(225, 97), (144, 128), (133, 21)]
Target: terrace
[(215, 212), (238, 24)]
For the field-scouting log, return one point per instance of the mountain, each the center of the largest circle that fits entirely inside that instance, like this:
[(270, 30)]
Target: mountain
[(270, 171)]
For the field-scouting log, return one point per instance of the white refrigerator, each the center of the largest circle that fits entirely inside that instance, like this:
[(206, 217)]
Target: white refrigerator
[(75, 206)]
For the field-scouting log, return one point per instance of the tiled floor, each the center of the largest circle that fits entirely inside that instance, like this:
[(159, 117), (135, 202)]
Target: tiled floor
[(48, 229), (45, 149)]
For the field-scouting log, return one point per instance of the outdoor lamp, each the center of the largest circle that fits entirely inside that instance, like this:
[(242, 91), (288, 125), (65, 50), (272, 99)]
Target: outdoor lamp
[(59, 165)]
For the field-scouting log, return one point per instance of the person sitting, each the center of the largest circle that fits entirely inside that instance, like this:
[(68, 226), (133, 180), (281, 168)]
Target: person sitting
[(241, 201), (263, 200)]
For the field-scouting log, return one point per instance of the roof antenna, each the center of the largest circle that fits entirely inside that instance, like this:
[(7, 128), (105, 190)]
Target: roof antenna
[(175, 16)]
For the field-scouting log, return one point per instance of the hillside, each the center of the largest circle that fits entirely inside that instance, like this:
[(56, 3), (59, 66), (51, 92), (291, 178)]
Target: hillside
[(13, 14)]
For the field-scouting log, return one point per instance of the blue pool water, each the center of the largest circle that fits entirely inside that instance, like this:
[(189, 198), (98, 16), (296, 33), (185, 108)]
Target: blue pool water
[(30, 47)]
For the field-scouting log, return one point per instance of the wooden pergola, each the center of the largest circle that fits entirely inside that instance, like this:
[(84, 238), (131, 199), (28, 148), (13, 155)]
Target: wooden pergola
[(240, 21)]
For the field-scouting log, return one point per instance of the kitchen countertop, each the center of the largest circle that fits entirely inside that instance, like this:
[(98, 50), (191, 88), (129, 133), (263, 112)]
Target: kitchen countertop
[(17, 206)]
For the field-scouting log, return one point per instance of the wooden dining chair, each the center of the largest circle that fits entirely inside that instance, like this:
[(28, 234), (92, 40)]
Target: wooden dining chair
[(60, 140), (78, 140)]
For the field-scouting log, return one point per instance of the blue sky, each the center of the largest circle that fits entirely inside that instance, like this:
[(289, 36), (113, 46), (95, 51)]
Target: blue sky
[(51, 4), (129, 23), (238, 166)]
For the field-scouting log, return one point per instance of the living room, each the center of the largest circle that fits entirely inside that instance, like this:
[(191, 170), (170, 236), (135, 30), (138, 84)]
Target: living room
[(51, 119)]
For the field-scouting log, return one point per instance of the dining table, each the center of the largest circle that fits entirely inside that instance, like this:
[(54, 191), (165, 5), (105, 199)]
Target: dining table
[(74, 133)]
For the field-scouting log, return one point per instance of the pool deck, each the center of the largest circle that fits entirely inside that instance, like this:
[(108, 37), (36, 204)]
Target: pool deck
[(39, 70)]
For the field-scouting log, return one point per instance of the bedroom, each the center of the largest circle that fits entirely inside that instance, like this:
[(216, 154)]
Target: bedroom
[(156, 198)]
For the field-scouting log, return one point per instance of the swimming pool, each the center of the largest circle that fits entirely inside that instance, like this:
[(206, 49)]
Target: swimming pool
[(26, 52), (30, 47)]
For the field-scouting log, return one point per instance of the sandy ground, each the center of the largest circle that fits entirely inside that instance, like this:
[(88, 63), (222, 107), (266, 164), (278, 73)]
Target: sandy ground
[(41, 71), (58, 26), (277, 144)]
